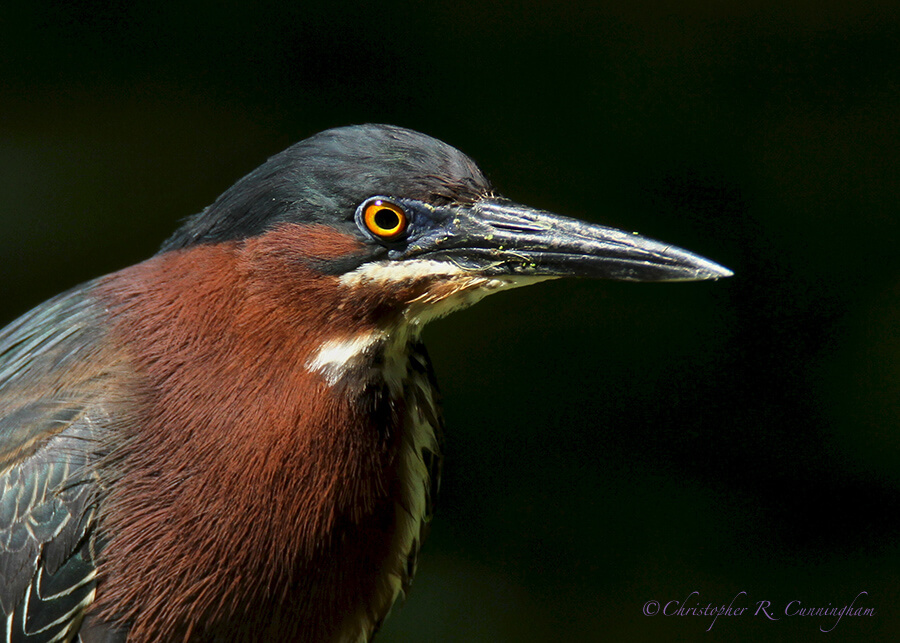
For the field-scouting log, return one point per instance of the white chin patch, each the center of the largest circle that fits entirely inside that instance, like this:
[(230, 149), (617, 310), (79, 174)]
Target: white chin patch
[(451, 287), (463, 292)]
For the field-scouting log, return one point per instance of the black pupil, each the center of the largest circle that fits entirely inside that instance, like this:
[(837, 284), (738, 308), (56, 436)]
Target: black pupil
[(387, 219)]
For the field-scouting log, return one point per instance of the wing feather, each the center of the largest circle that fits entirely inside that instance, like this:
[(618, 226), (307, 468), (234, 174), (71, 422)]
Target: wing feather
[(56, 381)]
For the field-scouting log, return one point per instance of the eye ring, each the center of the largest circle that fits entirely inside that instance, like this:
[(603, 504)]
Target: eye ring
[(385, 219)]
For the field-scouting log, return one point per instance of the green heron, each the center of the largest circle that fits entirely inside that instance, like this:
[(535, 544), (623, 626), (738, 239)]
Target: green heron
[(239, 438)]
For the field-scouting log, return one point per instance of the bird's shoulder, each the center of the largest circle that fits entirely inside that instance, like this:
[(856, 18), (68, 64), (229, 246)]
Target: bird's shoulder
[(55, 379), (55, 364)]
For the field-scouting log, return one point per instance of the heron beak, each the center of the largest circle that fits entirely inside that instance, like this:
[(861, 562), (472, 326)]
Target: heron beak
[(496, 237)]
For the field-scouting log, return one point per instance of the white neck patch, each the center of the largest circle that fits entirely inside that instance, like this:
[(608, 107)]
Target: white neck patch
[(336, 356)]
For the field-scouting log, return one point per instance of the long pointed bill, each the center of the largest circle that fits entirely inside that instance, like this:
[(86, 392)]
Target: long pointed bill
[(498, 237)]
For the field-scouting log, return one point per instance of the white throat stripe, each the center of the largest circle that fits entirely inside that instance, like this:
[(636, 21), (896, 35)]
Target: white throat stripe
[(335, 356), (399, 271)]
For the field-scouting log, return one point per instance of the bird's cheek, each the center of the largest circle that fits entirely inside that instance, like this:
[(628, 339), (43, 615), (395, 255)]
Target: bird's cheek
[(315, 246)]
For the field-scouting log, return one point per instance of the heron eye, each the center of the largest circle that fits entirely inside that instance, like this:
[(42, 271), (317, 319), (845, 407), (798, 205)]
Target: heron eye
[(384, 219)]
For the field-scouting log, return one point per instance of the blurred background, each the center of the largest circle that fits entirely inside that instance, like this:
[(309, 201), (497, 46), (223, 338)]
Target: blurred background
[(608, 444)]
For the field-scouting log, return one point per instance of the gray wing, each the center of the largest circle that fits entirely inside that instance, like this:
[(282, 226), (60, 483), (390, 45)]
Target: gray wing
[(56, 378)]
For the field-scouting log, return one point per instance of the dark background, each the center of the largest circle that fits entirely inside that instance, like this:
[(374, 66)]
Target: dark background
[(608, 444)]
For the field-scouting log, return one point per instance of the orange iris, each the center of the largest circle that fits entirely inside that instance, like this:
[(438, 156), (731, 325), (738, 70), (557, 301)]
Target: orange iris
[(385, 219)]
